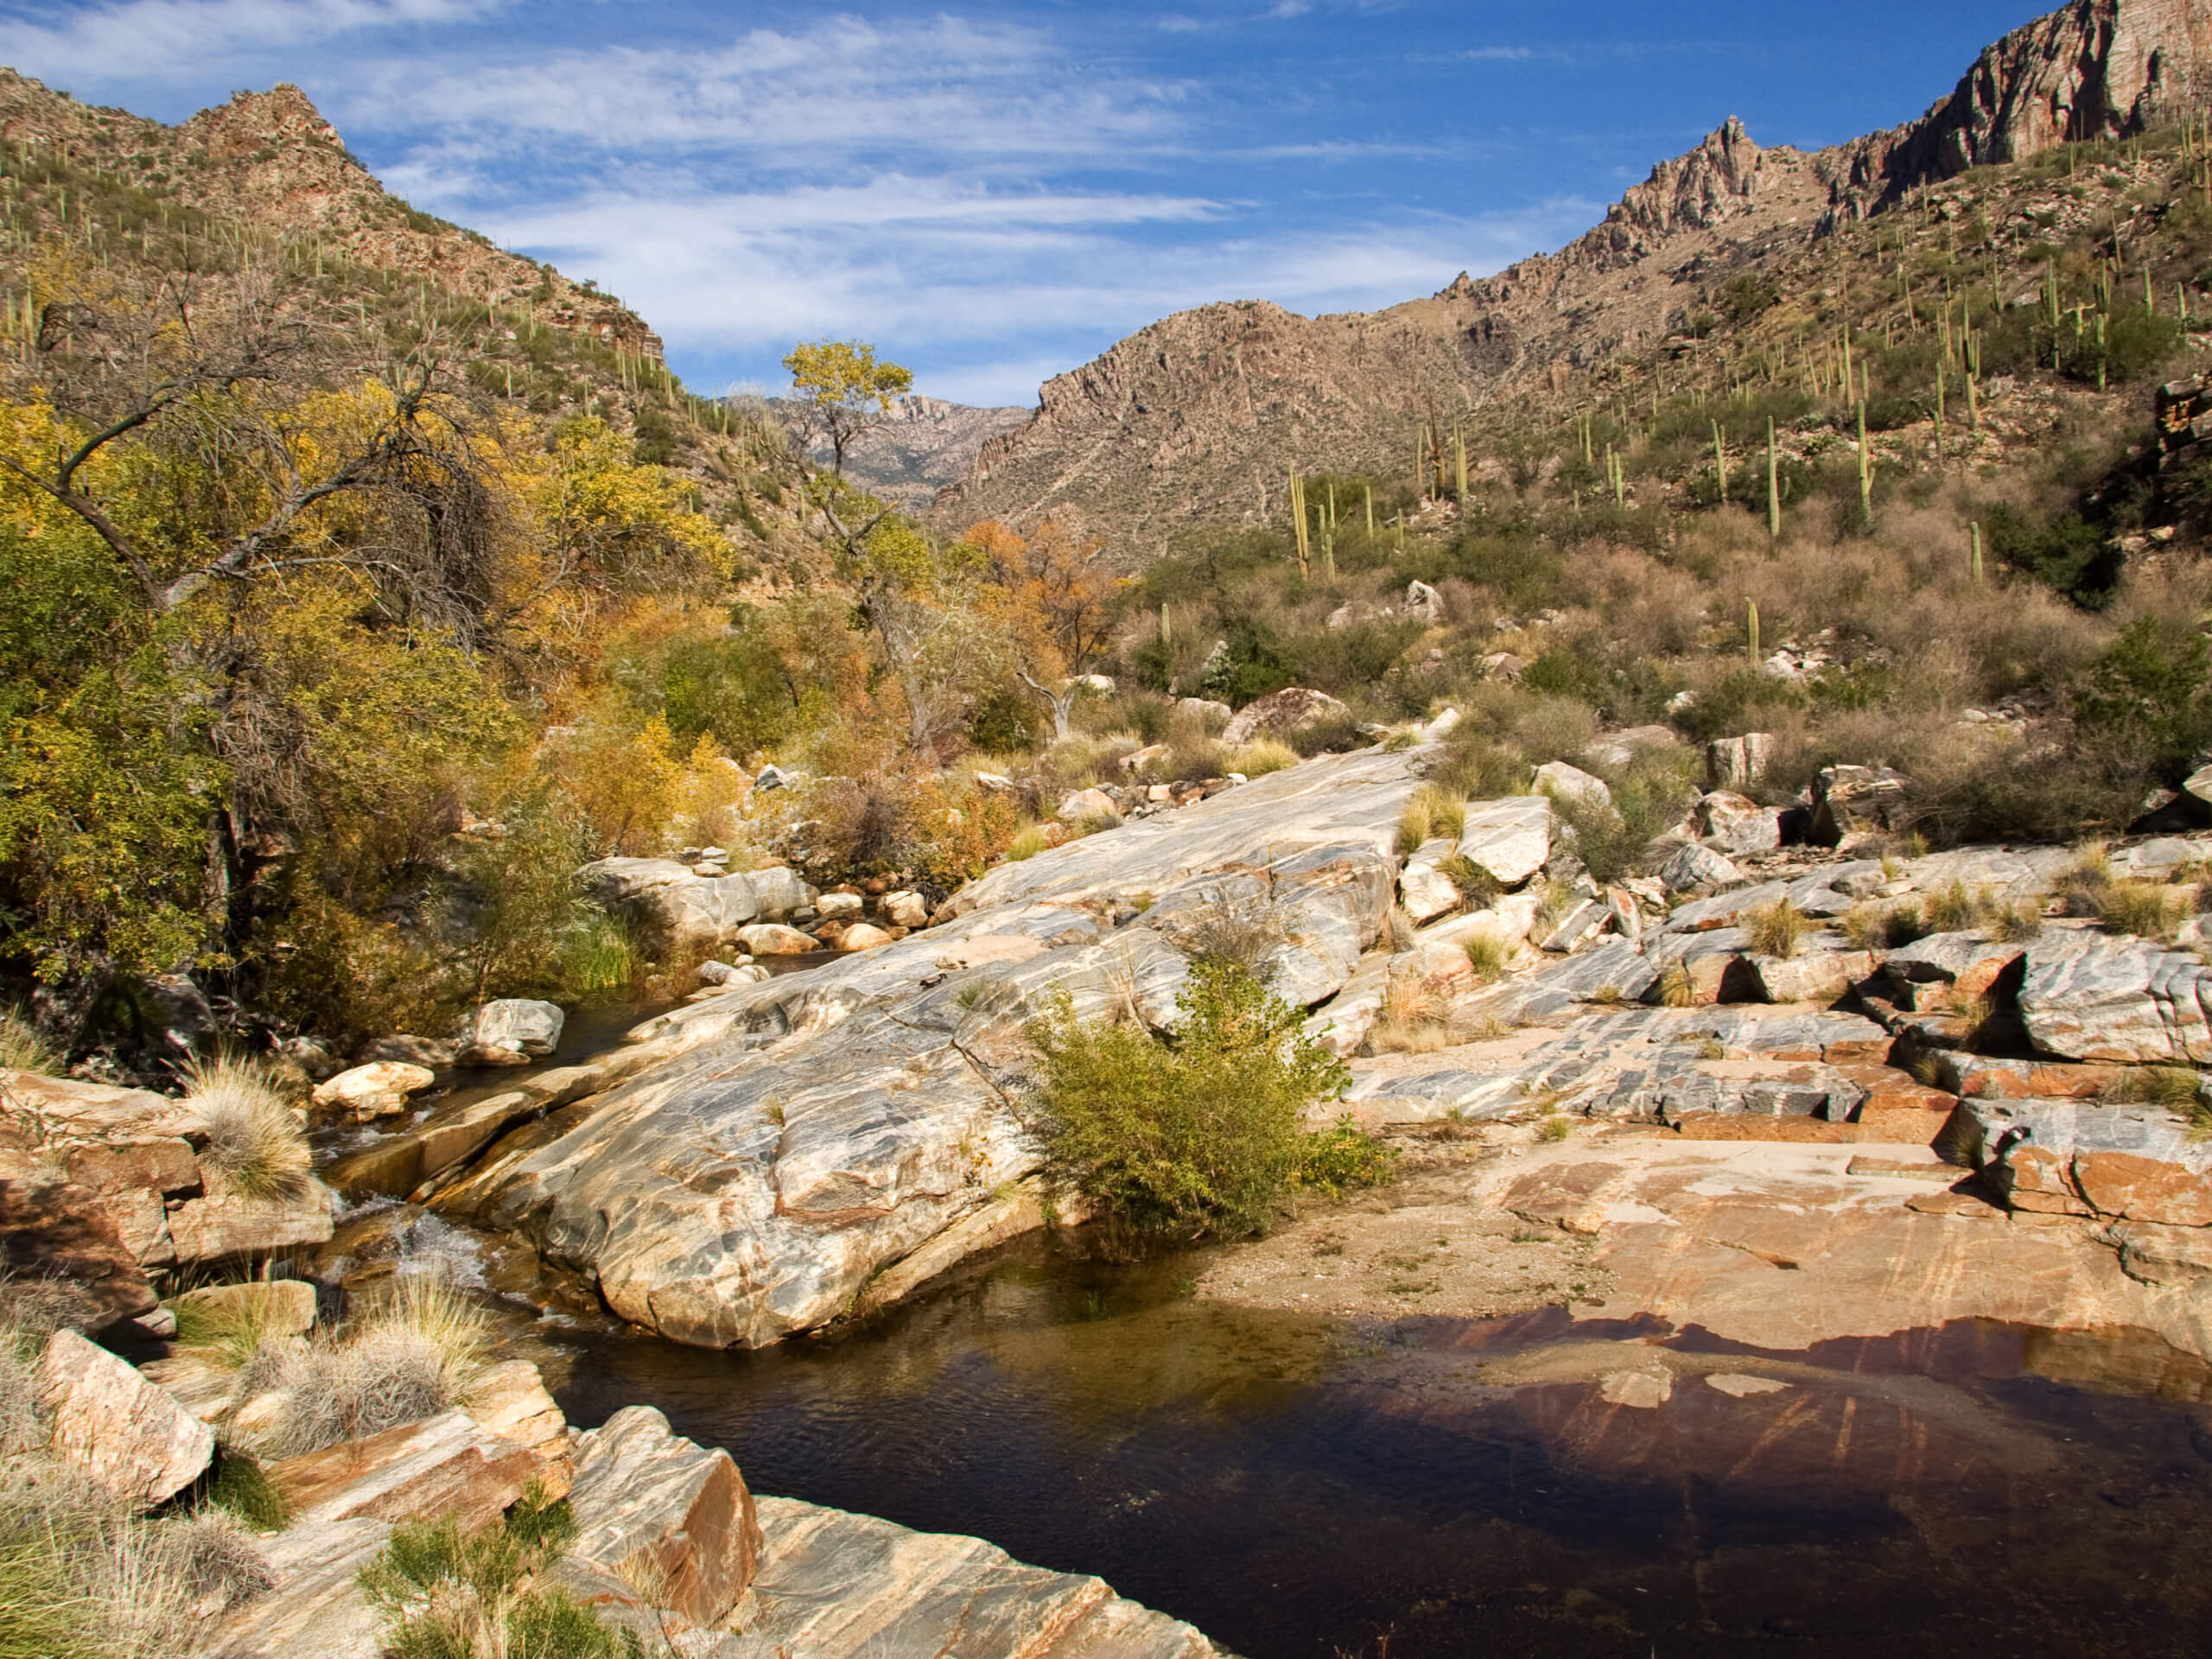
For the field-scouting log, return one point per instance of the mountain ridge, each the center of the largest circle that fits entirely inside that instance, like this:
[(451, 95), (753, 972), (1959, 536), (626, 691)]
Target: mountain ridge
[(1201, 414)]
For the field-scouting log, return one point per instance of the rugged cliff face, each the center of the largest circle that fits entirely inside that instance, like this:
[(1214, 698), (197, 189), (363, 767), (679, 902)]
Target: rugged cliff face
[(1200, 416)]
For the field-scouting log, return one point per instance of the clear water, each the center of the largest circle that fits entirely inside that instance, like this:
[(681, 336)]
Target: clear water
[(1300, 1489)]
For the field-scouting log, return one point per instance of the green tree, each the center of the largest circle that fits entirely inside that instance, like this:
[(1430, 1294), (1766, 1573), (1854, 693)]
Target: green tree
[(845, 390)]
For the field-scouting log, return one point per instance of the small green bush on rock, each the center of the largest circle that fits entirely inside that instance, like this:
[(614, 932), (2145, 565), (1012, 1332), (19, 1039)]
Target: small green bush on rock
[(1196, 1134)]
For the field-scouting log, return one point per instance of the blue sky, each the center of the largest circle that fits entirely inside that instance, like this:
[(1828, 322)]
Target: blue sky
[(994, 192)]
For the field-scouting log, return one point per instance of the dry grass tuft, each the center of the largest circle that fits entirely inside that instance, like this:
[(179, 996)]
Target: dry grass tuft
[(1488, 955), (1676, 989), (1777, 930), (23, 1047), (256, 1147), (2145, 909), (1415, 1016), (1260, 756)]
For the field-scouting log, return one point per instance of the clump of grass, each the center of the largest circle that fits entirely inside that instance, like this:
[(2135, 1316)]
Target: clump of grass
[(2081, 887), (1241, 930), (1952, 908), (1777, 930), (1676, 989), (244, 1490), (1028, 843), (229, 1332), (1476, 885), (1414, 1018), (2173, 1088), (447, 1594), (1874, 926), (1262, 755), (1488, 955), (1556, 1128), (24, 1048), (2142, 908), (256, 1148), (416, 1354), (2015, 921)]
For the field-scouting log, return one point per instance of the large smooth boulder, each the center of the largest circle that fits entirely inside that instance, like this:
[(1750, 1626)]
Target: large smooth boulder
[(774, 939), (2088, 997), (647, 1497), (379, 1088), (513, 1030), (122, 1430), (1511, 839), (1091, 805), (1737, 763), (1696, 869), (224, 1226)]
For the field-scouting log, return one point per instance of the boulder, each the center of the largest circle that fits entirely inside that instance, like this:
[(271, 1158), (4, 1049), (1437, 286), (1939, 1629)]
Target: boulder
[(780, 891), (1424, 891), (1583, 922), (1737, 763), (773, 777), (1852, 805), (95, 1111), (1571, 783), (647, 1499), (51, 1230), (320, 1612), (774, 939), (404, 1049), (1088, 803), (378, 1090), (1202, 708), (2075, 1157), (2090, 997), (218, 1228), (1281, 714), (512, 1032), (509, 1400), (905, 910), (122, 1430), (862, 935), (315, 1056), (1424, 603), (1737, 826), (1511, 839), (840, 906), (1823, 969), (1619, 748), (1693, 868)]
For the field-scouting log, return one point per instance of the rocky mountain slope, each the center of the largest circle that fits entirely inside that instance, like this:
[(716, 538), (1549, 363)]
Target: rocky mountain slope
[(1200, 416), (926, 444)]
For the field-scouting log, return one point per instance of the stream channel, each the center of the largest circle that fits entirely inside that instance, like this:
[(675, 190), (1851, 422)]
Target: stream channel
[(1301, 1489)]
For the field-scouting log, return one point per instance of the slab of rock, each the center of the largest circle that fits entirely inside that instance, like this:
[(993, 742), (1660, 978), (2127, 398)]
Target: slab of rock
[(125, 1432), (379, 1088), (1824, 969), (1563, 782), (1583, 922), (427, 1052), (94, 1111), (1424, 891), (1717, 964), (1982, 1077), (319, 1610), (513, 1030), (1737, 763), (834, 1585), (1330, 906), (396, 1165), (219, 1228), (158, 1166), (2071, 1157), (446, 1465), (51, 1230), (1281, 714), (646, 1494), (1511, 839), (2087, 997), (1341, 1024), (2156, 1255)]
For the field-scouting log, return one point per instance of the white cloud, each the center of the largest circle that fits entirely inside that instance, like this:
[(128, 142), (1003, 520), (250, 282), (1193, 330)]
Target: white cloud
[(174, 41)]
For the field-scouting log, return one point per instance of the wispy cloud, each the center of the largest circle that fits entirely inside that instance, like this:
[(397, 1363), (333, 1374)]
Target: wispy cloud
[(155, 41)]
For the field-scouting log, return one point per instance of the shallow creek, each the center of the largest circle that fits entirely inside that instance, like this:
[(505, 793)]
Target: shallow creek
[(1300, 1488)]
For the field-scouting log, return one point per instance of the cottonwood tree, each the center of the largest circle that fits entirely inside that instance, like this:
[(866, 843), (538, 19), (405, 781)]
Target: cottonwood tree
[(1061, 592), (844, 392)]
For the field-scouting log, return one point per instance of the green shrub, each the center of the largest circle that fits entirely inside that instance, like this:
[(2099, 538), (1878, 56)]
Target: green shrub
[(1195, 1134), (1344, 1156), (241, 1488)]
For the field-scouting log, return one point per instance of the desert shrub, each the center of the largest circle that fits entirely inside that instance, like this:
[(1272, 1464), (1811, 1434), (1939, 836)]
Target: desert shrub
[(2081, 887), (256, 1147), (1192, 759), (23, 1047), (2012, 922), (1344, 1156), (447, 1594), (1776, 930), (416, 1355), (2145, 696), (1556, 1128), (1261, 756), (240, 1488), (1027, 843), (1478, 768), (1198, 1133), (1414, 1018)]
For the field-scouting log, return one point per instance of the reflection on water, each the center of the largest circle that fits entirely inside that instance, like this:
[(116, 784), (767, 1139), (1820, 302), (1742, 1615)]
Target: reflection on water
[(1298, 1490)]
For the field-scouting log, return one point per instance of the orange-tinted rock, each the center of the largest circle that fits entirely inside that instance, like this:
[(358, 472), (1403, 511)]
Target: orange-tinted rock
[(445, 1465), (2143, 1189), (643, 1495), (54, 1230), (2036, 1179)]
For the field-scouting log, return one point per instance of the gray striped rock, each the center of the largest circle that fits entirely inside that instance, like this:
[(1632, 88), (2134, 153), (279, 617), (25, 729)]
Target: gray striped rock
[(1511, 838), (2088, 997)]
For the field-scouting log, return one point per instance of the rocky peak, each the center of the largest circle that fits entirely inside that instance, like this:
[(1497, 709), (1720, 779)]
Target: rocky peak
[(252, 122), (1716, 180)]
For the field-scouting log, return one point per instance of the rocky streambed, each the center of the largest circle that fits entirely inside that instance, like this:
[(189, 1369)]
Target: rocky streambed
[(1754, 1278)]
